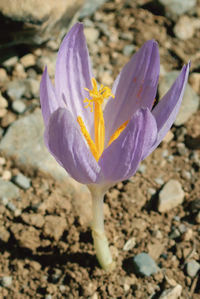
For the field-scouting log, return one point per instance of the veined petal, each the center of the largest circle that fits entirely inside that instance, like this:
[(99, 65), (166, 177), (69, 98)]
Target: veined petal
[(49, 102), (73, 74), (65, 142), (134, 88), (166, 110), (121, 159)]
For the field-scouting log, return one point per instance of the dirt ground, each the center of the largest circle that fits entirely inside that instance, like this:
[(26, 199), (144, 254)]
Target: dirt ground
[(46, 249)]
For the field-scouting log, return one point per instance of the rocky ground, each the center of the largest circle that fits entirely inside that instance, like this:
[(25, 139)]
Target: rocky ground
[(152, 220)]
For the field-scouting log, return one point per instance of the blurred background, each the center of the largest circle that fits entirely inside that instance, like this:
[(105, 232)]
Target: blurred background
[(45, 240)]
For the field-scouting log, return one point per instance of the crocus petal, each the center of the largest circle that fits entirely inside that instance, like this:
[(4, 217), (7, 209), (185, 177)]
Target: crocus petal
[(134, 88), (73, 74), (167, 109), (65, 142), (121, 159), (48, 100)]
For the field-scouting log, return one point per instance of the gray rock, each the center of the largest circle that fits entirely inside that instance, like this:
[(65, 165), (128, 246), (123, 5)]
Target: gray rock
[(170, 196), (175, 233), (177, 7), (172, 293), (90, 7), (159, 181), (45, 20), (8, 191), (142, 168), (192, 267), (22, 181), (16, 89), (185, 28), (6, 281), (128, 50), (24, 141), (190, 101), (144, 264), (18, 106)]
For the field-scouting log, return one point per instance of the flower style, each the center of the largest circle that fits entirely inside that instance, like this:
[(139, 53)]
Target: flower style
[(96, 147)]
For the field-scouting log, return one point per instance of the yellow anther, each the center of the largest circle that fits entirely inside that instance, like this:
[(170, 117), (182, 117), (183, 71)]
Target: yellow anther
[(89, 140), (95, 103), (118, 132)]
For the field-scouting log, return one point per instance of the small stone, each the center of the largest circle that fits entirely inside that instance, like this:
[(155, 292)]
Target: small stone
[(28, 60), (3, 77), (18, 106), (168, 137), (48, 296), (151, 191), (144, 264), (22, 181), (159, 181), (190, 102), (187, 235), (182, 150), (170, 196), (33, 219), (6, 175), (91, 35), (174, 234), (54, 226), (16, 89), (184, 28), (11, 206), (192, 267), (10, 62), (194, 80), (172, 293), (8, 190), (142, 168), (3, 112), (177, 7), (197, 219), (165, 153), (19, 71), (128, 50), (2, 161), (90, 7), (4, 234), (186, 175), (3, 102), (130, 244), (6, 281)]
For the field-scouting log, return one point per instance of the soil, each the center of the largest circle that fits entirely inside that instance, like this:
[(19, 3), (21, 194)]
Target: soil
[(48, 251)]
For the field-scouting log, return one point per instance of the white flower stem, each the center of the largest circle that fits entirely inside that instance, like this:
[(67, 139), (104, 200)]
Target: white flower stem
[(100, 241)]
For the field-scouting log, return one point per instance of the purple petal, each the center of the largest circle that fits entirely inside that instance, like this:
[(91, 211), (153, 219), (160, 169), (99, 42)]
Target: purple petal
[(134, 88), (48, 100), (65, 142), (73, 74), (121, 159), (167, 109)]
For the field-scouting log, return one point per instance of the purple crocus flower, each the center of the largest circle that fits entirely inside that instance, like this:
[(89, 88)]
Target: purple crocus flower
[(96, 147)]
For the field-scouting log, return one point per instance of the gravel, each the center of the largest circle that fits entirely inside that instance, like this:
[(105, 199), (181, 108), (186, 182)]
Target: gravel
[(22, 181), (144, 265)]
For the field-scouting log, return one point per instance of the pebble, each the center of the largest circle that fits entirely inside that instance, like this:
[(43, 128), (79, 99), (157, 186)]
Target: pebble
[(18, 106), (16, 89), (4, 234), (170, 196), (90, 7), (19, 71), (130, 244), (194, 80), (50, 61), (8, 190), (142, 168), (190, 102), (168, 137), (186, 175), (3, 76), (22, 181), (28, 60), (175, 233), (184, 28), (10, 62), (172, 293), (6, 281), (165, 153), (48, 296), (192, 267), (159, 181), (2, 161), (6, 175), (197, 219), (11, 206), (151, 191), (91, 35), (182, 150), (177, 7), (3, 102), (128, 50), (144, 265)]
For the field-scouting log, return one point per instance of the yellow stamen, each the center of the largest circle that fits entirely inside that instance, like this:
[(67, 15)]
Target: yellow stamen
[(88, 138), (95, 103), (118, 132)]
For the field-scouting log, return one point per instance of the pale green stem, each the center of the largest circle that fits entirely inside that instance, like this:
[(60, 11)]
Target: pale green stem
[(100, 241)]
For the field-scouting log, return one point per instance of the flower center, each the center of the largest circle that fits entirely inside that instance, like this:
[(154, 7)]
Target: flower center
[(95, 102)]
